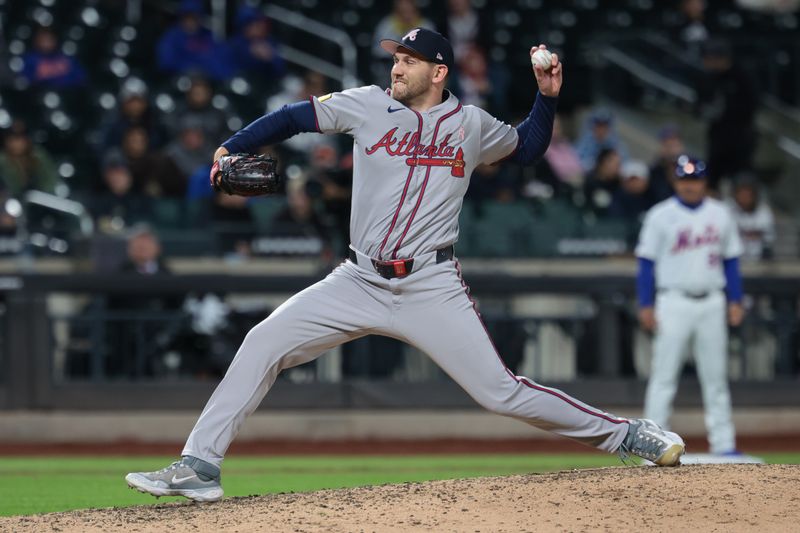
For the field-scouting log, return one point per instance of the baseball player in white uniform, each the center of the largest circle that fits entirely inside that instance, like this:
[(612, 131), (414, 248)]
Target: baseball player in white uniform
[(415, 147), (689, 290)]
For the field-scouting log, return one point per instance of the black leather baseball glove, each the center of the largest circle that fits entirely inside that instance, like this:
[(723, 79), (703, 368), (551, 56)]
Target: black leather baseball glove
[(245, 175)]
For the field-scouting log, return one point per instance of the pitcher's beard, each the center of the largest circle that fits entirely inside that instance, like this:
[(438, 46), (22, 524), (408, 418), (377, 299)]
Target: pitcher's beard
[(405, 92)]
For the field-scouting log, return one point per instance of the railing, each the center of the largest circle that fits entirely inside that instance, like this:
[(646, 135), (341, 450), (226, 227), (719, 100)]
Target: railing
[(63, 205), (346, 74), (649, 76), (67, 345)]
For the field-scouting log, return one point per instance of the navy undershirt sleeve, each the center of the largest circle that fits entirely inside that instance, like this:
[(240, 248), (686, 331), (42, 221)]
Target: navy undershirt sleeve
[(273, 127), (646, 282), (733, 279), (536, 130)]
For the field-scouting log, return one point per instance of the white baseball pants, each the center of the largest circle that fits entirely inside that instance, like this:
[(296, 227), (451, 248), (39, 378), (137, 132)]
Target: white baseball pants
[(429, 309), (703, 322)]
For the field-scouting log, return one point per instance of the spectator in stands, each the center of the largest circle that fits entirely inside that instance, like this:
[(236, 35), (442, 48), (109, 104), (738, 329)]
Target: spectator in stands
[(662, 170), (25, 165), (633, 198), (300, 219), (189, 47), (153, 174), (189, 151), (690, 28), (404, 17), (501, 184), (144, 253), (474, 85), (603, 182), (729, 101), (133, 110), (561, 166), (330, 181), (198, 106), (198, 186), (138, 344), (294, 90), (463, 27), (48, 67), (234, 225), (598, 135), (117, 205), (754, 218), (254, 50)]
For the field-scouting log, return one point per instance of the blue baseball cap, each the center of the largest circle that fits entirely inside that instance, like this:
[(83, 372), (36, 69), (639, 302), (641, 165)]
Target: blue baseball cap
[(430, 45), (191, 7), (689, 168)]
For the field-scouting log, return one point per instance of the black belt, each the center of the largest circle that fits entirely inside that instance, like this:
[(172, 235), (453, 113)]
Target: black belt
[(696, 295), (693, 295), (400, 268)]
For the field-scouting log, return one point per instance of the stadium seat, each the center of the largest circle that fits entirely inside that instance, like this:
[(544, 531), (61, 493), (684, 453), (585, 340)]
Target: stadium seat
[(504, 229), (187, 242), (264, 210), (168, 213)]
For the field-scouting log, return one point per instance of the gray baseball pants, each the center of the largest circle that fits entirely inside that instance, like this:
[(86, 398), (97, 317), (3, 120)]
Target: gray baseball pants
[(429, 309)]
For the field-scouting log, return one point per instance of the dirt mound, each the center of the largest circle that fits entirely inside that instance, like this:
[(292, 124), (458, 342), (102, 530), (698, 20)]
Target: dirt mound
[(690, 498)]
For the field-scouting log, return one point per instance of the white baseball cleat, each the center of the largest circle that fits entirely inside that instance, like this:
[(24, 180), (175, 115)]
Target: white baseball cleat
[(647, 440)]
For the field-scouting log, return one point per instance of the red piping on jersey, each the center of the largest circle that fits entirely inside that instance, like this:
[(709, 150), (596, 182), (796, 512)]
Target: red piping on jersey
[(313, 108), (405, 189), (523, 380), (427, 175)]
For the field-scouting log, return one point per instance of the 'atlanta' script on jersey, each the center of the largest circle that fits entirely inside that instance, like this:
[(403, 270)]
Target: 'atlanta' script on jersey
[(408, 146)]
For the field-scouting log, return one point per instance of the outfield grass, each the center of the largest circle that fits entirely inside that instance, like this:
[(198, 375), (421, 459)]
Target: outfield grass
[(30, 485)]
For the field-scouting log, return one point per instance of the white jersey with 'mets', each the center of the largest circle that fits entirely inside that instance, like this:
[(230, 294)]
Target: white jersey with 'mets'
[(689, 245)]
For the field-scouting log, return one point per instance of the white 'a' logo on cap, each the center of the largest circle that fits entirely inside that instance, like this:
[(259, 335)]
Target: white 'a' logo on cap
[(412, 35)]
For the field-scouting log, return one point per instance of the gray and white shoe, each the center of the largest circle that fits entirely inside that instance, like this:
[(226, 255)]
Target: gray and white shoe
[(191, 477), (647, 440)]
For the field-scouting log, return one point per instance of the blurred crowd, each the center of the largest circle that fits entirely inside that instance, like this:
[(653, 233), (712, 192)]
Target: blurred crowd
[(151, 162), (149, 153)]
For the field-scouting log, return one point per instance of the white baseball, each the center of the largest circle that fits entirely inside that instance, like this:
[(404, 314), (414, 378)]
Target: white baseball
[(542, 58)]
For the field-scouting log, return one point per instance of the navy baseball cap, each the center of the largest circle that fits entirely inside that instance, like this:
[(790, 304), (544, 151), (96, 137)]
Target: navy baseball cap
[(428, 44), (689, 168)]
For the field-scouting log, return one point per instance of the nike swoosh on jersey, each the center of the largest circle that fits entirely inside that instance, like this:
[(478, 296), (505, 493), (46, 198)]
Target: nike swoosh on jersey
[(178, 480), (390, 110)]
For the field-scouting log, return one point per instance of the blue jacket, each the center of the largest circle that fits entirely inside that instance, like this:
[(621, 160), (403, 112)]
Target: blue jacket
[(181, 53), (55, 70)]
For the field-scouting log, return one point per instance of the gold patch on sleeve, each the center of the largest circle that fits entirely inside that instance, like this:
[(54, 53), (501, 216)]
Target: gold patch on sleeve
[(323, 98)]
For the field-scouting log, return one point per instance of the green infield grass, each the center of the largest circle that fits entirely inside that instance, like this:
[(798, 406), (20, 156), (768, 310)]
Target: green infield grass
[(30, 485)]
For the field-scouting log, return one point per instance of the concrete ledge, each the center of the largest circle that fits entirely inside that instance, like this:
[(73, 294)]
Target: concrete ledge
[(159, 426)]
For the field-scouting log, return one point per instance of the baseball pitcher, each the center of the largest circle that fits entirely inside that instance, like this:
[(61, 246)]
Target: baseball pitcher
[(689, 290), (415, 147)]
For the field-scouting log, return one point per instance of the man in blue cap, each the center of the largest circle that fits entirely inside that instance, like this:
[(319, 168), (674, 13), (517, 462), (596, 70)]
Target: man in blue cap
[(189, 47), (254, 49), (690, 290)]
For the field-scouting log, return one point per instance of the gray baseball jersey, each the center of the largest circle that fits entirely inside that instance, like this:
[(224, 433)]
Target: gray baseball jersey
[(411, 170)]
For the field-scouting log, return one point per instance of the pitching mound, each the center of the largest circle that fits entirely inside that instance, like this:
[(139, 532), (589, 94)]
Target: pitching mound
[(690, 498)]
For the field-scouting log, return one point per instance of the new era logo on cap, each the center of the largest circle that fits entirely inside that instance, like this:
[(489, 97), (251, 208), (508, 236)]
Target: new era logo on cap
[(428, 44)]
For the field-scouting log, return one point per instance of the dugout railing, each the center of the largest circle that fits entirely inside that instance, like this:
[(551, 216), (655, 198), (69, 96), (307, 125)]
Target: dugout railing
[(40, 313)]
